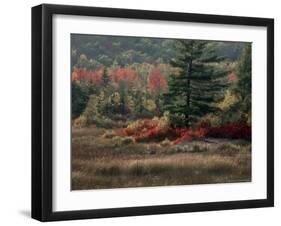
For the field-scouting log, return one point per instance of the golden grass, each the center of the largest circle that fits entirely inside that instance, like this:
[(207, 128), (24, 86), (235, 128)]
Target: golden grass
[(98, 162)]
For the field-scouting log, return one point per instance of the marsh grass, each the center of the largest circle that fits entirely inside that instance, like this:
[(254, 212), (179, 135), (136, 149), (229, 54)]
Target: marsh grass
[(100, 162)]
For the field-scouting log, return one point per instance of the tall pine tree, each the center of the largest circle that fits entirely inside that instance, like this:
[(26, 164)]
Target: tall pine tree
[(193, 91), (243, 86), (105, 78)]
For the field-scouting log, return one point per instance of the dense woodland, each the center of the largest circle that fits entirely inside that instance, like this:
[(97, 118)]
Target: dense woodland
[(117, 79)]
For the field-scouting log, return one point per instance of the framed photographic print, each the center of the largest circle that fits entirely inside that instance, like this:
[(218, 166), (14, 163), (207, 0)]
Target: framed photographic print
[(146, 112)]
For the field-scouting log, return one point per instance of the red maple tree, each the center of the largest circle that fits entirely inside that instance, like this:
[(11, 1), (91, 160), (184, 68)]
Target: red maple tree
[(157, 82), (83, 75), (123, 74)]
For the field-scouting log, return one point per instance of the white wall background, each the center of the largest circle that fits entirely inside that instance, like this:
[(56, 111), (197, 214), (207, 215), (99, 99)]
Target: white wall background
[(15, 113)]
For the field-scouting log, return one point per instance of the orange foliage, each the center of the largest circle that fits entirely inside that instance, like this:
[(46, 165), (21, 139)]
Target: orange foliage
[(123, 74), (157, 82), (148, 131), (83, 75), (232, 76)]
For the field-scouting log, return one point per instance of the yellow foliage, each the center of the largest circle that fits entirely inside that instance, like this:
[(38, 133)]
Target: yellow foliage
[(149, 105), (115, 98), (80, 122), (92, 106), (134, 124), (228, 101), (164, 121), (130, 104), (83, 57), (165, 142)]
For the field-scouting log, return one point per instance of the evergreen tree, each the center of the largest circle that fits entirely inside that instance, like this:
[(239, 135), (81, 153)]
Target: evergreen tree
[(105, 78), (244, 70), (79, 97), (91, 113), (193, 91), (243, 86), (123, 94)]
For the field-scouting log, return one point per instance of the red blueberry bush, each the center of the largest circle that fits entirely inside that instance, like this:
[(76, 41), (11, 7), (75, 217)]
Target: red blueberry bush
[(147, 130)]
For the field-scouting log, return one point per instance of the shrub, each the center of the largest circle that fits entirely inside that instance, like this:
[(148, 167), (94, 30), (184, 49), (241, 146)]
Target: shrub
[(229, 100), (149, 105), (139, 126), (182, 139), (134, 125), (105, 122), (199, 148), (109, 134), (234, 131), (165, 142), (209, 120), (119, 141), (164, 122), (228, 149), (80, 122), (156, 134), (127, 140), (182, 149), (157, 130)]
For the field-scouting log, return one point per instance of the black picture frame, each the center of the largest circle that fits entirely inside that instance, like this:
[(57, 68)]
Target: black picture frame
[(42, 107)]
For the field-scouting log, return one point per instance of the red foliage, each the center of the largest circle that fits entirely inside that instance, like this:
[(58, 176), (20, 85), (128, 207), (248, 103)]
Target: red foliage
[(123, 74), (234, 131), (233, 77), (204, 124), (156, 134), (148, 131), (157, 82), (188, 135), (144, 125), (83, 75), (182, 139), (95, 77)]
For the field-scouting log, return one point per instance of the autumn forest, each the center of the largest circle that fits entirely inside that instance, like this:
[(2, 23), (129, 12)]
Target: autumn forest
[(158, 112)]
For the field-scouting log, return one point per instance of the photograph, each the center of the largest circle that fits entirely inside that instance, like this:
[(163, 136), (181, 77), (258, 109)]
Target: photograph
[(145, 112), (150, 111)]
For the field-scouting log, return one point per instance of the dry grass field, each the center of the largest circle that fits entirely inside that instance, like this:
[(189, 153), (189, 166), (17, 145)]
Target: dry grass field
[(100, 162)]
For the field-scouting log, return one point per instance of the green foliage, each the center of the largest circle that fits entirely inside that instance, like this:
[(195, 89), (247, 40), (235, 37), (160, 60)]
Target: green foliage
[(79, 97), (194, 90), (105, 78), (94, 114), (212, 120), (243, 87), (229, 50), (91, 112), (236, 105), (244, 71), (128, 50), (84, 62), (130, 104), (119, 79)]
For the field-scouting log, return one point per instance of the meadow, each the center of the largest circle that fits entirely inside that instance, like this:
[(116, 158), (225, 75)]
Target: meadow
[(99, 162)]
